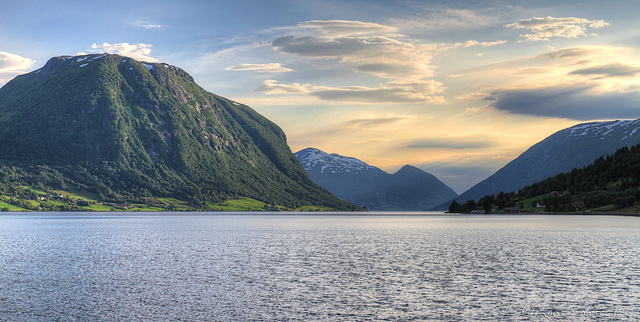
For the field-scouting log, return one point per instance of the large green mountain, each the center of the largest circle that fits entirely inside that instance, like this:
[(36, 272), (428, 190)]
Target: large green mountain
[(125, 129)]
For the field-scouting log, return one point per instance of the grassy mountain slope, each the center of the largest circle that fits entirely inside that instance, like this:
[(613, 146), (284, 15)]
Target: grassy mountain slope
[(125, 129)]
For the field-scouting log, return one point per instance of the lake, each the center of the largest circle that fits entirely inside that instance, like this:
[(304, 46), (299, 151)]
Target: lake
[(318, 267)]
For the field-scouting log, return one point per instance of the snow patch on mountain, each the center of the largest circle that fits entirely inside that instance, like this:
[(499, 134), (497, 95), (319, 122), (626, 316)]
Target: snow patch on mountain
[(604, 130), (312, 158)]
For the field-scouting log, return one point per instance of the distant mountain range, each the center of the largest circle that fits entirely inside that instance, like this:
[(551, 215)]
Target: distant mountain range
[(357, 182), (574, 147), (128, 131)]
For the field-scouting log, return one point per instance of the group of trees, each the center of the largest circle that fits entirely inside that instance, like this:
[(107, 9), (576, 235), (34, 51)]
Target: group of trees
[(611, 180), (487, 203)]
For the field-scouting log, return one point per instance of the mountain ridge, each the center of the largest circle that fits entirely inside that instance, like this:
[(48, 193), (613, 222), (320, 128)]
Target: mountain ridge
[(573, 147), (353, 180)]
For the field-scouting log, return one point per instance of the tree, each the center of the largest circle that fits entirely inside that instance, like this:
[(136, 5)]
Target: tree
[(455, 207), (487, 203)]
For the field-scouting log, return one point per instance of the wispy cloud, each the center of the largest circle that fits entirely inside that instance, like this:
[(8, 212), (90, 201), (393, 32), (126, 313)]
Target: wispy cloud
[(446, 19), (260, 68), (361, 45), (609, 70), (471, 43), (135, 51), (273, 87), (147, 25), (378, 120), (392, 92), (463, 143), (346, 28), (543, 29)]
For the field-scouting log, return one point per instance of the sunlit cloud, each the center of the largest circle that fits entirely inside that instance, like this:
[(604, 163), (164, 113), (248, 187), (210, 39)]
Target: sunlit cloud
[(136, 51), (273, 87), (342, 28), (377, 121), (12, 65), (260, 68), (471, 43), (368, 48), (543, 29), (392, 92)]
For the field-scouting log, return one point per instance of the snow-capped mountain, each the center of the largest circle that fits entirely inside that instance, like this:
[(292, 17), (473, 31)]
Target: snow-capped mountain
[(357, 182), (315, 160), (574, 147)]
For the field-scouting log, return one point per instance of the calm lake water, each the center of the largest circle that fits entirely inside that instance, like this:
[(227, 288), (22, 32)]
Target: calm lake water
[(318, 267)]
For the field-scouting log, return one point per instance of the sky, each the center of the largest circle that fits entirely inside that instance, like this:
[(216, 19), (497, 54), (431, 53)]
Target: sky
[(456, 88)]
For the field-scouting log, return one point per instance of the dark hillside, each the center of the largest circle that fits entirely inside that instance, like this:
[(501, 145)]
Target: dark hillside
[(609, 183)]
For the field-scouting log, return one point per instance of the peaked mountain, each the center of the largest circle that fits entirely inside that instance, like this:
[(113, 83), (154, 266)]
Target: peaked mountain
[(574, 147), (357, 182), (125, 129)]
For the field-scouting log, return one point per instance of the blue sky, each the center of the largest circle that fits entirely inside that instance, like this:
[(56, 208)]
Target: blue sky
[(457, 88)]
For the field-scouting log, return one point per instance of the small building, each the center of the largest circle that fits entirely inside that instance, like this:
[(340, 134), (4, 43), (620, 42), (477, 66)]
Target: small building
[(122, 206), (555, 194)]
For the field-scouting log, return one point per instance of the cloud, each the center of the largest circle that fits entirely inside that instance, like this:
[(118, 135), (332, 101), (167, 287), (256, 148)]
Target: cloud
[(366, 47), (147, 25), (377, 121), (609, 70), (446, 20), (578, 102), (462, 143), (584, 76), (341, 28), (273, 87), (471, 43), (542, 29), (391, 92), (136, 51), (260, 68), (14, 63)]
